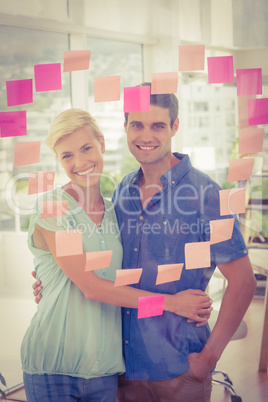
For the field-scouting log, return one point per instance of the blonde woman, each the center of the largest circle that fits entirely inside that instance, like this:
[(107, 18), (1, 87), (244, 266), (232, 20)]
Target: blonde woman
[(72, 349)]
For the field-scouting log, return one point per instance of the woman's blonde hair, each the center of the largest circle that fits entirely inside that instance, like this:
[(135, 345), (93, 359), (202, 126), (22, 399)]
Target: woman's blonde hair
[(69, 121)]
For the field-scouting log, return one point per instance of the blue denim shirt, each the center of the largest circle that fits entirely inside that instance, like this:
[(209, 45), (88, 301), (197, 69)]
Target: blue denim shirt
[(156, 348)]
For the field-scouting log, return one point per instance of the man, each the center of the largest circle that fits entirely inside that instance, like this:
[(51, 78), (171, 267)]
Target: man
[(160, 208)]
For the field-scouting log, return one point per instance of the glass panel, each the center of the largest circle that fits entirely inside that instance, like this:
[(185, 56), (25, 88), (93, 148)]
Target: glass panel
[(109, 58), (21, 49), (209, 134)]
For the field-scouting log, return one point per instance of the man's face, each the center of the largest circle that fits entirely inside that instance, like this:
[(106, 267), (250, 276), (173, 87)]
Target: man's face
[(149, 135)]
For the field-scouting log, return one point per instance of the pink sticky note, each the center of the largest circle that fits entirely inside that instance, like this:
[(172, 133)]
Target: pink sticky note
[(47, 77), (13, 124), (191, 57), (98, 260), (250, 140), (69, 242), (168, 273), (51, 208), (197, 255), (19, 92), (137, 99), (220, 69), (249, 81), (40, 182), (75, 60), (232, 201), (240, 169), (151, 306), (164, 83), (221, 230), (107, 89), (26, 153), (127, 276), (257, 111)]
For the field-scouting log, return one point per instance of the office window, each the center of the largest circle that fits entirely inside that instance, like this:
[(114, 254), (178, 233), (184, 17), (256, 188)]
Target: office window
[(21, 49), (108, 58)]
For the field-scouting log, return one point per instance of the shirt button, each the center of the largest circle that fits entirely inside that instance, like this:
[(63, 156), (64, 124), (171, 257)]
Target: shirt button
[(102, 241), (164, 222), (128, 312), (140, 218), (135, 249), (126, 342), (173, 182), (104, 273), (245, 251)]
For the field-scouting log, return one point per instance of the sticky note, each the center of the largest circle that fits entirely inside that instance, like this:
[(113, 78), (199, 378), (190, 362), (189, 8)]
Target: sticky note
[(168, 273), (50, 209), (250, 140), (40, 182), (98, 260), (220, 69), (240, 169), (257, 111), (13, 124), (232, 201), (249, 81), (151, 306), (197, 255), (68, 242), (127, 276), (137, 99), (164, 83), (26, 153), (221, 230), (47, 77), (75, 60), (19, 92), (107, 89), (191, 57)]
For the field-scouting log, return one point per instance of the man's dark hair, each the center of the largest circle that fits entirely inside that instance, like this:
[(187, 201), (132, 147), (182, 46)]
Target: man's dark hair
[(167, 101)]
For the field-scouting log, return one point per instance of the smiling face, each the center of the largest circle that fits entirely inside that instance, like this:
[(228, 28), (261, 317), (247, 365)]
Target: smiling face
[(149, 135), (81, 156)]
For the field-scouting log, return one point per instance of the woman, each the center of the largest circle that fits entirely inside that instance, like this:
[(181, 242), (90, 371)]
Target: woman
[(72, 349)]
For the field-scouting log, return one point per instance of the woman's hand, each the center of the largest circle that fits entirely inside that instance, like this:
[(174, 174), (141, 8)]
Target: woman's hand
[(37, 289), (194, 305)]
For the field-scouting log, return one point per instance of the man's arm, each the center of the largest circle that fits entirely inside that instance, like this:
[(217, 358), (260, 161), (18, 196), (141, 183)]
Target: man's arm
[(237, 297), (192, 303)]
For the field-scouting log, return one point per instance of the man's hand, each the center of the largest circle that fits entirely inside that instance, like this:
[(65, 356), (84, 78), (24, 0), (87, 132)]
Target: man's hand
[(201, 364), (193, 304), (37, 289)]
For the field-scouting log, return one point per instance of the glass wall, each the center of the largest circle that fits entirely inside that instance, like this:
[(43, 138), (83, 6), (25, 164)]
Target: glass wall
[(119, 59), (21, 49)]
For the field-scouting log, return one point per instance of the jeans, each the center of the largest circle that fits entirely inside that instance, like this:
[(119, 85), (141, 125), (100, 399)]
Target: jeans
[(184, 388), (64, 388)]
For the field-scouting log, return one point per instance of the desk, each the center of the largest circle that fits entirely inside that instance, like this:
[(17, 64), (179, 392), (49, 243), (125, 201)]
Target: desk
[(259, 261)]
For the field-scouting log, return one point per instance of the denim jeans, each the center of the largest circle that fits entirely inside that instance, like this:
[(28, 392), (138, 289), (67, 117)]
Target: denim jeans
[(185, 388), (64, 388)]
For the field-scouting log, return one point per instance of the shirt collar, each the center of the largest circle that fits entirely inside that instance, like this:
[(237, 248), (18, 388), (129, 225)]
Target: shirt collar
[(172, 176), (175, 174)]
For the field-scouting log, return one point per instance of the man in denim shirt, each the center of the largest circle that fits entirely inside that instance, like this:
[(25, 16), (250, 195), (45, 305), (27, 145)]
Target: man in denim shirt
[(160, 208)]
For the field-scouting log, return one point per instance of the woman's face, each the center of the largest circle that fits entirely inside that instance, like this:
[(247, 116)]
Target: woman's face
[(81, 156)]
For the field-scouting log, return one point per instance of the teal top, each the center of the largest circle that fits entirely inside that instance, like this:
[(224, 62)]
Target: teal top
[(69, 334)]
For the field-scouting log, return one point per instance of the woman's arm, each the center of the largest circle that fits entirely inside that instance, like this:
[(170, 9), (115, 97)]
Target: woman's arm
[(193, 304)]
